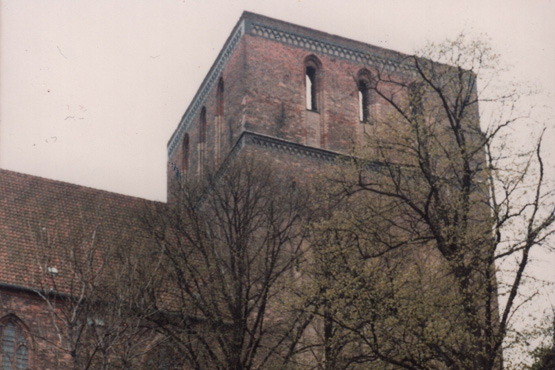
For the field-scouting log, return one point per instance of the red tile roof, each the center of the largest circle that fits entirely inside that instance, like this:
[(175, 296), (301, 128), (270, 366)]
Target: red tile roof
[(42, 221)]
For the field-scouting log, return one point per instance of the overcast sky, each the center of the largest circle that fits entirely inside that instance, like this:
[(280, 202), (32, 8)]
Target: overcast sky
[(91, 91)]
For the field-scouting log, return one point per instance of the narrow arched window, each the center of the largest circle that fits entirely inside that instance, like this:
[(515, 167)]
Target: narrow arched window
[(416, 100), (313, 83), (311, 100), (14, 354), (364, 79), (185, 152), (363, 101), (202, 126), (220, 98)]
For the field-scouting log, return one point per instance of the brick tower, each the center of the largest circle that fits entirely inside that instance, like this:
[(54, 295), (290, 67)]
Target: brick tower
[(301, 94)]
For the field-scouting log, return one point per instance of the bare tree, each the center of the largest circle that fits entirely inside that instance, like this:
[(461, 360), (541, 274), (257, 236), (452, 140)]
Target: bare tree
[(427, 212), (228, 249), (88, 319)]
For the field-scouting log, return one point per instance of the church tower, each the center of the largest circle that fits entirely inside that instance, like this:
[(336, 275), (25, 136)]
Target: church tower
[(290, 92)]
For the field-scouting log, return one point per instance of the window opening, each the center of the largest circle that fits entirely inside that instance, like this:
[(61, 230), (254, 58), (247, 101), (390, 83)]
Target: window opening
[(363, 102), (311, 89), (202, 126), (14, 353), (185, 152), (220, 98), (416, 106), (360, 106)]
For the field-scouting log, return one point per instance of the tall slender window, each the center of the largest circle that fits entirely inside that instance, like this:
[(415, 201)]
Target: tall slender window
[(220, 98), (363, 102), (185, 152), (361, 116), (14, 351), (364, 95), (416, 103), (218, 119), (313, 83), (311, 100), (202, 126), (201, 141)]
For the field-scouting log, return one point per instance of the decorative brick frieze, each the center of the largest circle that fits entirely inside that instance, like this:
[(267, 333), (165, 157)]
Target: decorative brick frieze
[(273, 143), (323, 47), (253, 139)]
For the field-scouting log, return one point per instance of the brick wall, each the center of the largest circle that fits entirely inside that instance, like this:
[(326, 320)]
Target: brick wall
[(265, 92), (35, 320)]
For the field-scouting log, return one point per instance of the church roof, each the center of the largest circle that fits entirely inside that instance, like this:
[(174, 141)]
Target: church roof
[(45, 222)]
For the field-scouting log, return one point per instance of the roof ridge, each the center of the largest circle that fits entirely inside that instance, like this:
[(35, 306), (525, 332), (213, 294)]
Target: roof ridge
[(30, 177)]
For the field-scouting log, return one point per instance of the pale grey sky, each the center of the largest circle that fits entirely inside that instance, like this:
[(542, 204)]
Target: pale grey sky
[(90, 91)]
